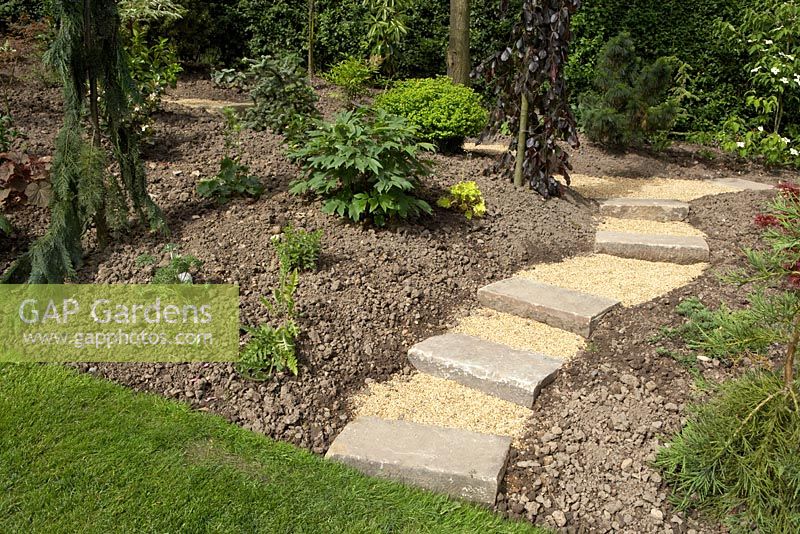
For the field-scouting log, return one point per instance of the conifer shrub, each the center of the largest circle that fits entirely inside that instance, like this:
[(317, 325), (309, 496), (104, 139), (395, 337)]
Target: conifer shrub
[(443, 113), (738, 457), (366, 164), (280, 92), (5, 225), (634, 103)]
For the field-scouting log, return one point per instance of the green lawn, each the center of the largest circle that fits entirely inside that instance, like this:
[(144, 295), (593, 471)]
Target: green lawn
[(82, 455)]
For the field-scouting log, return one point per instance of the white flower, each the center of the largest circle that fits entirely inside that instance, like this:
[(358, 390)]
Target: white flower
[(794, 152), (775, 70), (785, 80), (760, 128), (768, 42), (740, 144)]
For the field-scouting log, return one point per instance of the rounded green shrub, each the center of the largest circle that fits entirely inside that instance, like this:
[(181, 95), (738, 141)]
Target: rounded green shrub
[(444, 113)]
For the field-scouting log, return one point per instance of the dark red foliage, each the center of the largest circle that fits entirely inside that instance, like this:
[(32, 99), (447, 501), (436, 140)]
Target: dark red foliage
[(533, 65), (766, 220), (793, 277), (789, 190)]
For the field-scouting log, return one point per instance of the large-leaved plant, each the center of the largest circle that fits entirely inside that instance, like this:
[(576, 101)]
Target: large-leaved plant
[(365, 165)]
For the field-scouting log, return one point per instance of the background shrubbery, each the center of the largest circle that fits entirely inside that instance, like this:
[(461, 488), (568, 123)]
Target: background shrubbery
[(217, 33)]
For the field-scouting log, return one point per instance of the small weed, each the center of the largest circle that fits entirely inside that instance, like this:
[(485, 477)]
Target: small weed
[(234, 178), (272, 349), (145, 259), (297, 248), (178, 269)]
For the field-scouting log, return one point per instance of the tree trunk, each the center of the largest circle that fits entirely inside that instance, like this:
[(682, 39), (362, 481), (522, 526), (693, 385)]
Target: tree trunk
[(458, 59), (311, 30), (522, 139), (94, 116)]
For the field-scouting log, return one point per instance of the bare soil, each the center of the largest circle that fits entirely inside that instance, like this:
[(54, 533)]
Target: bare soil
[(584, 463)]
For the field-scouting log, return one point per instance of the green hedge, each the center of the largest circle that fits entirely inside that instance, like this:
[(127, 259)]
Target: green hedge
[(665, 28), (221, 31)]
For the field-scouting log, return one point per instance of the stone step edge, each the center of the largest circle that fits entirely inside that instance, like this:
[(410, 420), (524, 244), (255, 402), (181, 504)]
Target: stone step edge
[(497, 297), (457, 462), (682, 250), (495, 369), (661, 210)]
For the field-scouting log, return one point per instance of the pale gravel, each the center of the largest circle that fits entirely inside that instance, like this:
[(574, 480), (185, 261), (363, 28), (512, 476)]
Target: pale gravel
[(630, 281), (605, 187), (640, 226), (490, 149), (422, 398), (521, 333)]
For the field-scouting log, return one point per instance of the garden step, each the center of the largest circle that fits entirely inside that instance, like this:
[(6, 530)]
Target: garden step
[(567, 309), (211, 106), (653, 247), (457, 462), (488, 149), (513, 375), (744, 185), (644, 208)]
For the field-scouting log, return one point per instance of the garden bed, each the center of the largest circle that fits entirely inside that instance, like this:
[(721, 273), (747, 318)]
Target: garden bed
[(378, 291)]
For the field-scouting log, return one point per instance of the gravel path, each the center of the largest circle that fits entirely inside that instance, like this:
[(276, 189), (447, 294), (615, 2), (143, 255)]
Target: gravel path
[(629, 281), (602, 187), (637, 226)]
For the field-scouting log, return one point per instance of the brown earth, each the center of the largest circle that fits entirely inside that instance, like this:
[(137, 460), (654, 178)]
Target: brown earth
[(377, 291)]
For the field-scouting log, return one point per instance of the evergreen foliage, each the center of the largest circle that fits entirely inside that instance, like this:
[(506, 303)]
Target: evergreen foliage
[(88, 56), (442, 112), (737, 457), (5, 225), (663, 28), (279, 89), (633, 102), (352, 75)]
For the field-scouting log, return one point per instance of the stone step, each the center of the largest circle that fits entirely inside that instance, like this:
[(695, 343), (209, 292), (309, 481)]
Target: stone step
[(211, 106), (457, 462), (485, 149), (644, 208), (562, 308), (652, 247), (513, 375), (743, 185)]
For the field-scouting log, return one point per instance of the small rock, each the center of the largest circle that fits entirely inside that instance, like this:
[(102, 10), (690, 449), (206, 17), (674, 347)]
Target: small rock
[(626, 463), (559, 518), (656, 514)]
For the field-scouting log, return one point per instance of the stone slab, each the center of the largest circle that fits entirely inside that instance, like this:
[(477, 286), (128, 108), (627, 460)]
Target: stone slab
[(651, 247), (513, 375), (743, 185), (211, 106), (567, 309), (486, 149), (457, 462), (643, 208)]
